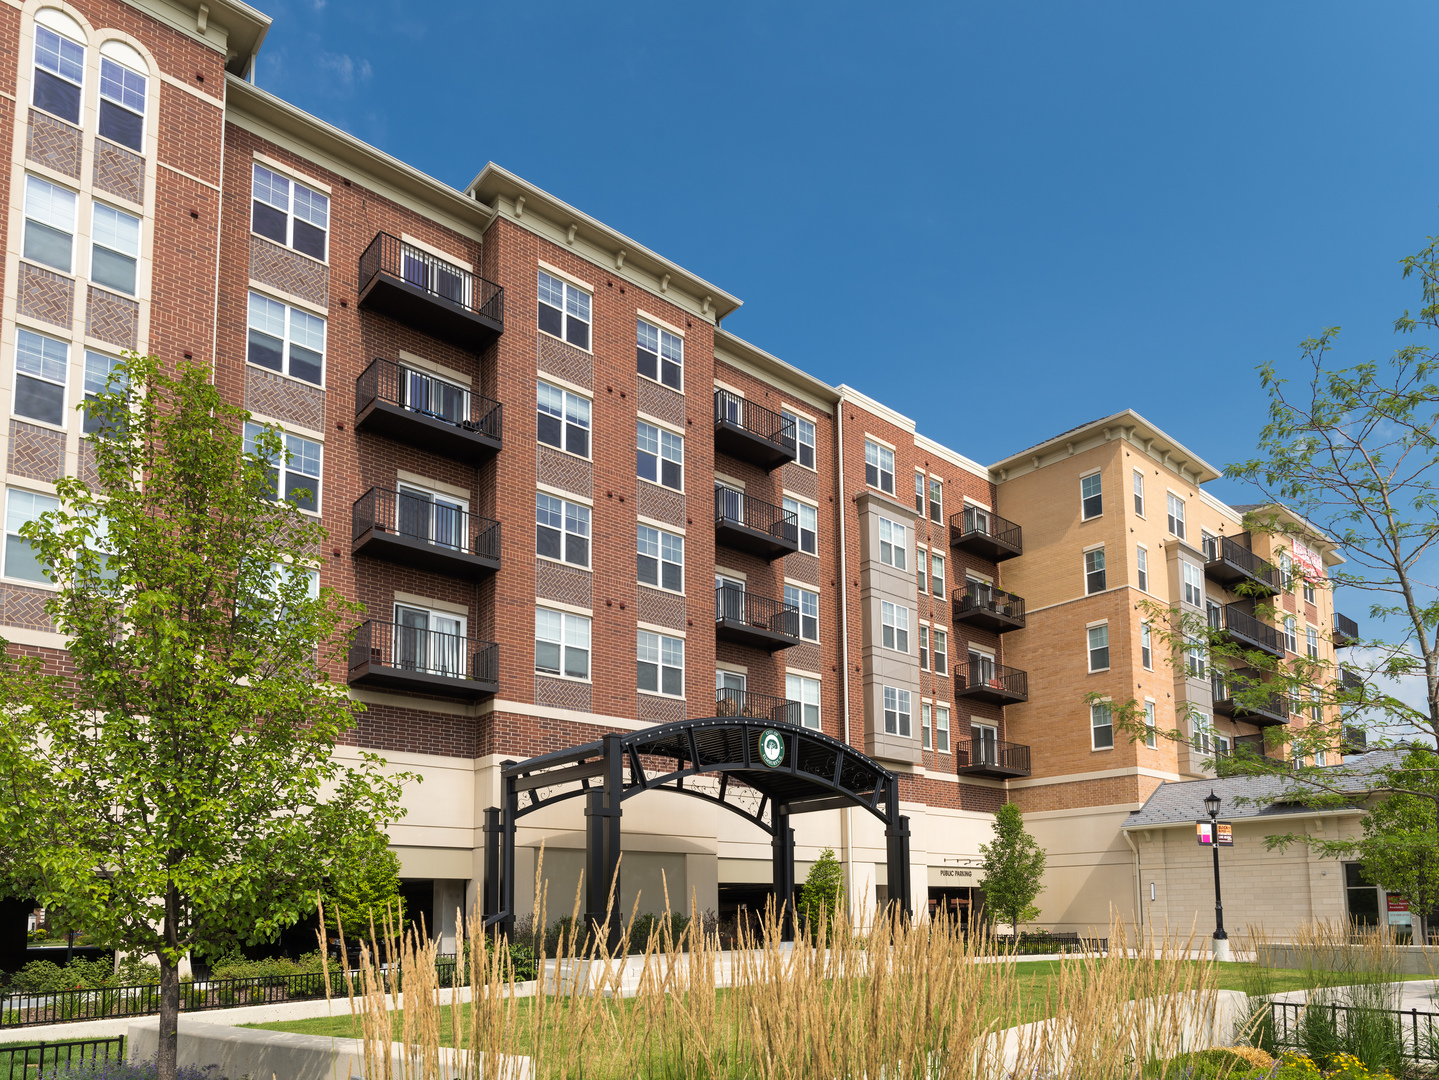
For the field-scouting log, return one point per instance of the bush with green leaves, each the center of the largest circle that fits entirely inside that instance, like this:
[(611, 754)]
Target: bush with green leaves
[(823, 892)]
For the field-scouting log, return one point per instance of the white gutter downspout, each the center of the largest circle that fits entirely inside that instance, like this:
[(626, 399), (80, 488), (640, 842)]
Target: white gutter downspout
[(846, 820), (1138, 883)]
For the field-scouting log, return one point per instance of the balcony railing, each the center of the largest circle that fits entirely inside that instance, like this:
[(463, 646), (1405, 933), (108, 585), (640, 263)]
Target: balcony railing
[(747, 619), (416, 530), (990, 682), (427, 412), (1245, 630), (1350, 679), (752, 706), (1346, 631), (395, 657), (986, 534), (1246, 748), (992, 757), (1356, 740), (988, 608), (751, 432), (1233, 697), (430, 294), (1232, 564), (753, 525)]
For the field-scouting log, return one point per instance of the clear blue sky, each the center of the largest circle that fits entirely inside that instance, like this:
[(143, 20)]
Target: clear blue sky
[(1001, 219)]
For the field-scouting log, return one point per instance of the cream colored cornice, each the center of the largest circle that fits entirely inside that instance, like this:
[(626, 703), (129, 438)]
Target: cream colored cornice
[(1127, 426), (233, 29)]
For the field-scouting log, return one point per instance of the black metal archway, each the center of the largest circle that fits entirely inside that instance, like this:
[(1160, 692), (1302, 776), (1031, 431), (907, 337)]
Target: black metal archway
[(792, 770)]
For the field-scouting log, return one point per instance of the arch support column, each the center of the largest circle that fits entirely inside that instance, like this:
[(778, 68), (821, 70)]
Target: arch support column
[(782, 849), (602, 844)]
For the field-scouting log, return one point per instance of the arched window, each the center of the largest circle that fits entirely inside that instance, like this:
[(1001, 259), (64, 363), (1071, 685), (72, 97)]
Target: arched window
[(122, 95), (59, 64)]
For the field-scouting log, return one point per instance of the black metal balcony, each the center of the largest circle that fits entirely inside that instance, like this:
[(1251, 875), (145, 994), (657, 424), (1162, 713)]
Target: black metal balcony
[(985, 534), (421, 410), (1346, 631), (991, 757), (753, 525), (1233, 697), (434, 296), (991, 682), (1248, 632), (1231, 564), (752, 433), (384, 656), (413, 530), (1355, 741), (988, 608), (751, 706), (747, 619), (1350, 680), (1247, 748)]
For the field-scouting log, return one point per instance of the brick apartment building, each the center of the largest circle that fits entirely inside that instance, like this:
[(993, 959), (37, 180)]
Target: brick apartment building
[(511, 356)]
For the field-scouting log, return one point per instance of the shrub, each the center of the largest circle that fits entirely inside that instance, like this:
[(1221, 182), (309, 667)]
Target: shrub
[(129, 1070)]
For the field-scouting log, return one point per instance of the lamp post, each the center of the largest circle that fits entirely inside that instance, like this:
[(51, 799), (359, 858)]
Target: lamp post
[(1221, 939)]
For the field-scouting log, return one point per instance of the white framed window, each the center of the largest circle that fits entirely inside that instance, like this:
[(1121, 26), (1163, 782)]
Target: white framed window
[(661, 456), (808, 604), (562, 644), (1176, 515), (1316, 705), (879, 466), (894, 626), (1202, 737), (1091, 496), (42, 367), (563, 419), (22, 561), (562, 530), (430, 641), (660, 355), (286, 339), (1193, 583), (115, 250), (289, 213), (924, 725), (729, 684), (1286, 570), (661, 558), (896, 712), (941, 729), (434, 396), (923, 648), (1094, 578), (921, 565), (49, 224), (804, 438), (1151, 726), (122, 103), (59, 73), (893, 543), (936, 574), (1146, 647), (939, 651), (936, 499), (1141, 563), (298, 475), (806, 692), (431, 516), (1138, 493), (1291, 639), (808, 518), (661, 664), (1209, 544), (1101, 726), (919, 494), (564, 311), (1311, 641), (1308, 591), (1099, 648), (98, 371), (1195, 660)]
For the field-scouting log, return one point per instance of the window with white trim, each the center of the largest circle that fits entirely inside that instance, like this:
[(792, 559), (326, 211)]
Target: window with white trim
[(923, 647), (924, 724), (1094, 577), (59, 74), (1091, 496), (660, 456), (806, 692), (894, 626), (49, 224), (433, 396), (661, 560), (563, 419), (1311, 641), (1141, 563), (919, 493), (921, 565), (1176, 515), (1151, 726), (298, 474), (936, 499), (286, 339), (1308, 590), (879, 466), (893, 543), (808, 518), (661, 664), (804, 438), (936, 575), (1146, 648), (939, 651), (1286, 570), (289, 213), (1316, 705), (122, 104), (430, 641), (896, 712), (21, 560), (1195, 658), (562, 644), (562, 530), (1193, 583), (42, 367), (660, 354), (1291, 634), (564, 310), (808, 604), (941, 729), (1138, 493), (99, 370), (115, 248), (1101, 726), (1099, 648), (1201, 738)]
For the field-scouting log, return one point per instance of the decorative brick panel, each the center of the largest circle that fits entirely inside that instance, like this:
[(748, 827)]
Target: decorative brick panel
[(45, 295), (661, 401), (802, 567), (119, 172), (659, 710), (563, 583), (803, 656), (289, 271), (89, 471), (564, 471), (661, 608), (661, 504), (53, 143), (24, 607), (800, 480), (36, 452), (566, 361), (284, 399), (562, 694), (112, 318)]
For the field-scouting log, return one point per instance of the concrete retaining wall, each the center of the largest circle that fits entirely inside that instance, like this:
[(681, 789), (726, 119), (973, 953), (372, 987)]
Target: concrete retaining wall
[(1413, 959)]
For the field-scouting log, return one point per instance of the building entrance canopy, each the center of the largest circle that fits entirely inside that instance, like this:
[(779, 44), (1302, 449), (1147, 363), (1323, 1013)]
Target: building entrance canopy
[(764, 772)]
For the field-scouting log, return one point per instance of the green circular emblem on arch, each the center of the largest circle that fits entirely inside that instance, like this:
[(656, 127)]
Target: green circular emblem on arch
[(771, 748)]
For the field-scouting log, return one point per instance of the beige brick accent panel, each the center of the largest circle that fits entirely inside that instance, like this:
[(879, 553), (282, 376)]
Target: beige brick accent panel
[(112, 318), (119, 172), (289, 271), (53, 143), (45, 295), (800, 480), (284, 399), (564, 471), (36, 452)]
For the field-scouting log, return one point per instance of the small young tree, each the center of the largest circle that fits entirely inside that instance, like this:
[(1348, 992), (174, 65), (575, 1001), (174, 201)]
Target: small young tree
[(173, 788), (366, 892), (823, 891), (1013, 868)]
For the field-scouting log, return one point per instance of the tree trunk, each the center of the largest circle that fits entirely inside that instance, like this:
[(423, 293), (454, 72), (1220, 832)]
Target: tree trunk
[(169, 1018)]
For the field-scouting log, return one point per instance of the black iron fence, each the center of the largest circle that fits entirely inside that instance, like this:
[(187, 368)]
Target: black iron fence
[(972, 521), (979, 597), (752, 706), (1297, 1023), (1346, 630), (428, 652), (736, 605), (423, 393), (1240, 692), (993, 677), (418, 516), (1235, 553), (736, 508), (755, 419), (23, 1061), (443, 280), (995, 753)]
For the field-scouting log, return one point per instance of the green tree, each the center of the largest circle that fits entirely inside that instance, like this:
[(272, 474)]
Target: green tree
[(366, 891), (1013, 868), (823, 891), (173, 789)]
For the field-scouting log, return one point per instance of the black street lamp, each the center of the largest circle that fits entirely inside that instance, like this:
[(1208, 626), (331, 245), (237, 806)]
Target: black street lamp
[(1221, 939)]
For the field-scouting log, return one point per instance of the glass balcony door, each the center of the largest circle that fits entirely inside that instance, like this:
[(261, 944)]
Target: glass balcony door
[(430, 642), (434, 397), (432, 518)]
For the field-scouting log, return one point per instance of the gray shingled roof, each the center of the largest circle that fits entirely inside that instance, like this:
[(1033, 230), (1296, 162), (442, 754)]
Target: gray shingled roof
[(1183, 801)]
